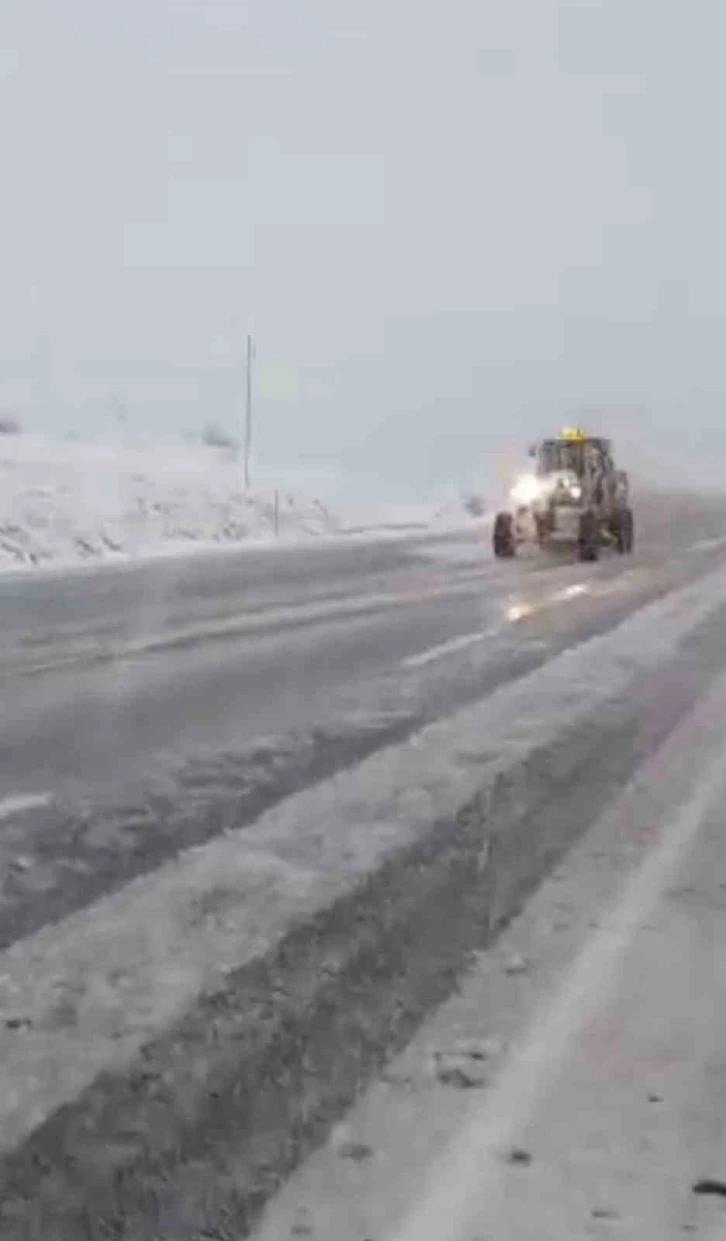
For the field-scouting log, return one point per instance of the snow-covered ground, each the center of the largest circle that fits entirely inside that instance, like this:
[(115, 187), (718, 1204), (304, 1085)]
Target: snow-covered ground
[(65, 503)]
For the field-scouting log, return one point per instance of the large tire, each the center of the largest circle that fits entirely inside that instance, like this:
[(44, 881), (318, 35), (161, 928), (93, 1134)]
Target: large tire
[(588, 541), (623, 531), (503, 540), (617, 530)]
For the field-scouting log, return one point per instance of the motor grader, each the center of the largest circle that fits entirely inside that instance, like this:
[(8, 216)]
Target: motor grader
[(573, 495)]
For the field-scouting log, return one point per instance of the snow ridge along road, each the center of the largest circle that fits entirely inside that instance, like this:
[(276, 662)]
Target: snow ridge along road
[(590, 1038), (170, 1052)]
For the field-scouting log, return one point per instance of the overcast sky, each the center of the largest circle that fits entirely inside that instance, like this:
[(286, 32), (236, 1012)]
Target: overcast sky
[(448, 225)]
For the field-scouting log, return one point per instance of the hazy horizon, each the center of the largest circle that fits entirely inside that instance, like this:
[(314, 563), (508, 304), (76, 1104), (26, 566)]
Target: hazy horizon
[(449, 228)]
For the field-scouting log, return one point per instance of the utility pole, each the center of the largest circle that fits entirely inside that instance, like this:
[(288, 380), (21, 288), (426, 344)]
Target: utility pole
[(248, 412)]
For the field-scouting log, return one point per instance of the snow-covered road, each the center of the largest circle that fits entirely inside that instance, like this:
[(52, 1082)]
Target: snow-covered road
[(318, 782)]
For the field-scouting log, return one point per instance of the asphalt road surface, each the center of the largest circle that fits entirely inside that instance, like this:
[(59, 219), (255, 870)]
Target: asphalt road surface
[(121, 697), (111, 676)]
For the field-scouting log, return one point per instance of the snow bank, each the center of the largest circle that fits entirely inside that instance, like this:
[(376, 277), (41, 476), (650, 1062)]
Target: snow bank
[(66, 502)]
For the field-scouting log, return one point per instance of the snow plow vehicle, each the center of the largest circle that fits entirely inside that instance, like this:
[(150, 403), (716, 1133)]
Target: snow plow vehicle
[(573, 496)]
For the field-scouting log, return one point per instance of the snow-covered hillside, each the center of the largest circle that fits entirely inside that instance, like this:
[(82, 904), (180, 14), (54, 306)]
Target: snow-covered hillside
[(65, 503)]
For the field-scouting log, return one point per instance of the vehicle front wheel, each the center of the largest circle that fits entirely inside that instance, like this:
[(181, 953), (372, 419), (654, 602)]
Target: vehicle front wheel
[(588, 542), (503, 540)]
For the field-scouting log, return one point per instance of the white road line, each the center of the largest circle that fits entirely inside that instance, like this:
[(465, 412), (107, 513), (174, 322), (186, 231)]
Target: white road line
[(572, 592), (22, 802), (513, 614), (707, 544), (469, 1176), (446, 648)]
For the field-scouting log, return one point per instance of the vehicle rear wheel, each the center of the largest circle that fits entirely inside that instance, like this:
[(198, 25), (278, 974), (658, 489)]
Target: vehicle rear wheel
[(503, 537), (628, 529), (588, 537), (623, 531)]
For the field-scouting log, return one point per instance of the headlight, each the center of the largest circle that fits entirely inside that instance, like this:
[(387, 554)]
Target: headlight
[(526, 490)]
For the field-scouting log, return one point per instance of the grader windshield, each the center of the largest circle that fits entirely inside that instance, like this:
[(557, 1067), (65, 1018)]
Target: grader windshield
[(570, 454), (558, 456)]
